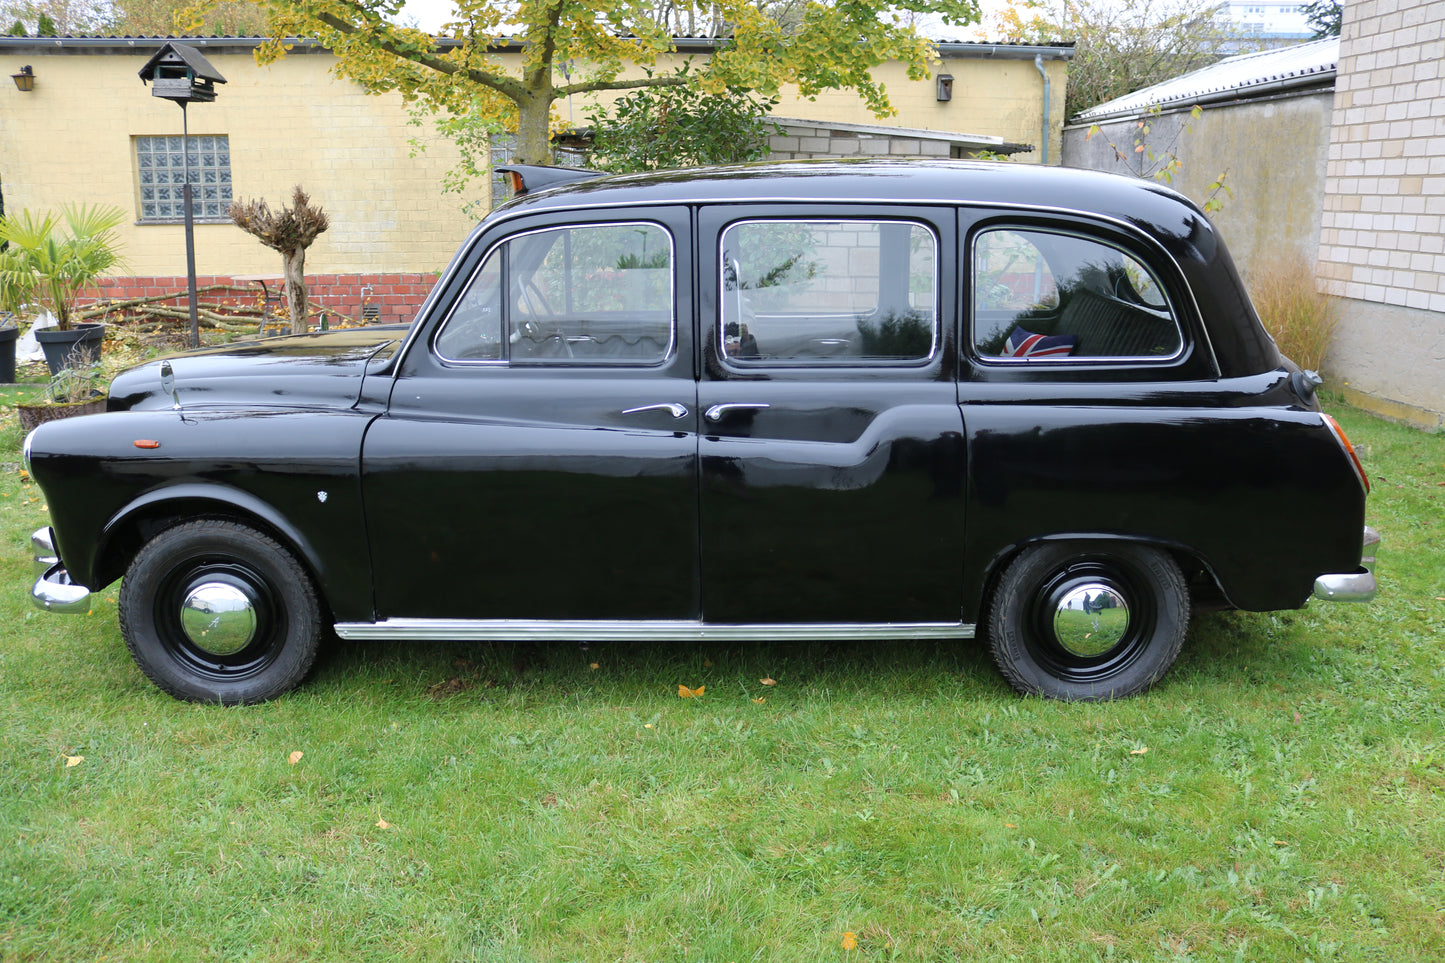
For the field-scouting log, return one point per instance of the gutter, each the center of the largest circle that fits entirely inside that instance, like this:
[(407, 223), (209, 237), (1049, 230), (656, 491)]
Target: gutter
[(1044, 138)]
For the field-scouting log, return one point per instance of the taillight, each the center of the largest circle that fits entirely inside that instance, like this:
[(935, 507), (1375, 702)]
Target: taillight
[(1339, 433)]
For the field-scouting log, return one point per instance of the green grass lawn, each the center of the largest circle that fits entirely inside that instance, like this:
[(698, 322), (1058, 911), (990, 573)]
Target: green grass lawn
[(1280, 796)]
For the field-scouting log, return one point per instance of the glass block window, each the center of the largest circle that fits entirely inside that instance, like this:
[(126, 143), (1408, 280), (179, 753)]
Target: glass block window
[(160, 167)]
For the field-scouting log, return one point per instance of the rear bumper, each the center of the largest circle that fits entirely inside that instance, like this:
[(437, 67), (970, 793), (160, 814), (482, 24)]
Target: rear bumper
[(53, 590), (1357, 586)]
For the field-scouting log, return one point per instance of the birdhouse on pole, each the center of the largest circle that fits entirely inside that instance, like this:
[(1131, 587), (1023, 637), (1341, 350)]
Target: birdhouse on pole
[(179, 73)]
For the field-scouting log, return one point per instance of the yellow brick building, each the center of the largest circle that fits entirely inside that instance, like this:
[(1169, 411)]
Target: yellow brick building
[(90, 132)]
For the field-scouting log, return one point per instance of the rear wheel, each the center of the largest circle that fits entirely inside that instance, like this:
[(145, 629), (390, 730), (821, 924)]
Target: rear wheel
[(1088, 621), (215, 611)]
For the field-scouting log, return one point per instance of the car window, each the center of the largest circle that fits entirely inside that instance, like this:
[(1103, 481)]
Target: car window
[(591, 294), (1044, 296), (828, 292)]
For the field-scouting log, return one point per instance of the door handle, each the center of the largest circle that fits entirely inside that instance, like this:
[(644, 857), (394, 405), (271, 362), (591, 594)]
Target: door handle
[(716, 412), (671, 407)]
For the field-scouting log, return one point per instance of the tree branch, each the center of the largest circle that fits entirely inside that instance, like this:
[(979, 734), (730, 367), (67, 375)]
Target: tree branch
[(505, 86), (588, 87)]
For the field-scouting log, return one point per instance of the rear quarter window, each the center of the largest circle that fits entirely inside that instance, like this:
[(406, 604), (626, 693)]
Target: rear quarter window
[(1045, 296)]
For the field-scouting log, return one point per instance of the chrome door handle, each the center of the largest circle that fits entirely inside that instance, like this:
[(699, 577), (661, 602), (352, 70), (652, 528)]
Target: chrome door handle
[(716, 412), (672, 408)]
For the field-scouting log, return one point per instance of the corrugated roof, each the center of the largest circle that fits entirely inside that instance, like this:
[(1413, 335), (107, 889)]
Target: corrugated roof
[(1247, 75)]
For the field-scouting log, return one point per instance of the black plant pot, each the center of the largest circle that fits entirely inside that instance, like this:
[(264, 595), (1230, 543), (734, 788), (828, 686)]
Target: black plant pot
[(71, 349), (7, 354)]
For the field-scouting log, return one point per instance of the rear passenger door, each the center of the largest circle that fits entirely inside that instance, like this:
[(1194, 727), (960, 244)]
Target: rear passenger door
[(831, 445)]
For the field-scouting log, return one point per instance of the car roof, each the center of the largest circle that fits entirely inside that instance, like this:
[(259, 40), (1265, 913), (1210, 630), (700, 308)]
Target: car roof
[(1142, 202)]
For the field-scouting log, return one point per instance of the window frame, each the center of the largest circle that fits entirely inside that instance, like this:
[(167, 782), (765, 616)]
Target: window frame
[(1163, 282), (225, 189), (750, 365), (495, 249)]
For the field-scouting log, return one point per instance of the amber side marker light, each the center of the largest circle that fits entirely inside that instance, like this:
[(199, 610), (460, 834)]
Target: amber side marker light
[(518, 187), (1349, 449), (146, 443)]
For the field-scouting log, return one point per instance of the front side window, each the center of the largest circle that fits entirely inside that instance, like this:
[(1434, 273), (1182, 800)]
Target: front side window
[(161, 168), (1044, 296), (828, 292), (595, 294)]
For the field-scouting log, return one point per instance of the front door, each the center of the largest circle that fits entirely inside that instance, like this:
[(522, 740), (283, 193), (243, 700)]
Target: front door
[(832, 453), (538, 458)]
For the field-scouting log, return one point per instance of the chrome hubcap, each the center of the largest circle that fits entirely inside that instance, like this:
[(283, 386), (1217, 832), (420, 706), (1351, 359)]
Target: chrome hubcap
[(1090, 619), (218, 618)]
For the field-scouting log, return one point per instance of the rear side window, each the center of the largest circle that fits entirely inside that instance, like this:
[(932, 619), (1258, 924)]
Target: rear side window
[(1040, 296), (804, 292), (594, 294)]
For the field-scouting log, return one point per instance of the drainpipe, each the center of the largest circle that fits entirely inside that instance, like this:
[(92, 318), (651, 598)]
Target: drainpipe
[(1039, 64)]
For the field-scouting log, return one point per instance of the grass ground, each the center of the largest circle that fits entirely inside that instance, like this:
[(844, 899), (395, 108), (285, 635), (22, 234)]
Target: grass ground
[(1280, 796)]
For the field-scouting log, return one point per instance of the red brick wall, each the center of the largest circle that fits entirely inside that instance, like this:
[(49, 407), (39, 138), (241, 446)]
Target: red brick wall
[(396, 297)]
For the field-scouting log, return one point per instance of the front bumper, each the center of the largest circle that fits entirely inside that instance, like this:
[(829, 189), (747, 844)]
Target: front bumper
[(53, 590), (1358, 586)]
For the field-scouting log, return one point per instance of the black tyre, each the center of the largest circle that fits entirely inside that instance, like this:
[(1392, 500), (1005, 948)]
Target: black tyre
[(214, 611), (1087, 621)]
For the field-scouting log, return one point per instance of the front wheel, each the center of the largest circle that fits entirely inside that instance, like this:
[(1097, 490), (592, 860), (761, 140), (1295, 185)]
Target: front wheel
[(215, 611), (1087, 621)]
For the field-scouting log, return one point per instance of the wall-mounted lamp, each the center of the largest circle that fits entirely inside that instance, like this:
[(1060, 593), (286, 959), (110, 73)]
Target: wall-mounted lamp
[(25, 80), (945, 87)]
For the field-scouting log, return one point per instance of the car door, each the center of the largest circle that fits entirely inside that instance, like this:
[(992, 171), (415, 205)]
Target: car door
[(831, 448), (537, 460)]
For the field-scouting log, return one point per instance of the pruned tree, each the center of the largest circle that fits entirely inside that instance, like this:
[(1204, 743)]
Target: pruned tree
[(290, 231)]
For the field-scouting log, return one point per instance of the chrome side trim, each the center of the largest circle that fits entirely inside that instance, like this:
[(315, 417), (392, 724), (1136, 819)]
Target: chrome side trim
[(53, 591), (1357, 586), (651, 630)]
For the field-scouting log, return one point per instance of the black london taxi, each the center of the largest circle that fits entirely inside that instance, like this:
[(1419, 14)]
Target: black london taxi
[(894, 401)]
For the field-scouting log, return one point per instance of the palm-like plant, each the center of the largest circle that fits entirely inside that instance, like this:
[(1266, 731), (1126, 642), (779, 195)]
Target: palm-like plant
[(42, 265)]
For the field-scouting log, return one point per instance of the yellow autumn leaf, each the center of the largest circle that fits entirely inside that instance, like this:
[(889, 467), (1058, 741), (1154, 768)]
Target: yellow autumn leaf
[(683, 692), (295, 757), (850, 941), (382, 824), (73, 761), (1142, 750), (595, 666), (761, 699), (767, 680)]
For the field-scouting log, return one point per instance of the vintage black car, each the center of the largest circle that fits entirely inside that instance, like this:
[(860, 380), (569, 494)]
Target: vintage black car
[(895, 401)]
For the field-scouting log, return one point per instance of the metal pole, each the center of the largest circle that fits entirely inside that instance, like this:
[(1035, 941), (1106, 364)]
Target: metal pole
[(190, 227)]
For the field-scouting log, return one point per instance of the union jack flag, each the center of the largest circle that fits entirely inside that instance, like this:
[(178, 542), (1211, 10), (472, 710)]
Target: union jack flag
[(1026, 344)]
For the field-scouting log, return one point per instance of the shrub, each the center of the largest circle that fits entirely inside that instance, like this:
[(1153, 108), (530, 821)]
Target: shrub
[(1301, 319)]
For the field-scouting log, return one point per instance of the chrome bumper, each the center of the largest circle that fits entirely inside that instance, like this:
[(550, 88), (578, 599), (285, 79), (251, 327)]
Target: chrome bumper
[(1353, 586), (53, 590)]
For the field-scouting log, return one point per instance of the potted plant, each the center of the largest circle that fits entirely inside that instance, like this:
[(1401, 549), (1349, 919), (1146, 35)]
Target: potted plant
[(73, 390), (40, 264)]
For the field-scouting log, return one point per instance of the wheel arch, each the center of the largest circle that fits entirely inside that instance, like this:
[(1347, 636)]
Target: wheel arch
[(1204, 582), (140, 520)]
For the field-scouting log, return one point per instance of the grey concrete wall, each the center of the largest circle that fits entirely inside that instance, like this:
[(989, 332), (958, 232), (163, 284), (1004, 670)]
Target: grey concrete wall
[(1273, 154)]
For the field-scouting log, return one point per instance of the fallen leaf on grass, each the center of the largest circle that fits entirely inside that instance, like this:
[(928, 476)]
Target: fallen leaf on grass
[(382, 824), (768, 681), (683, 692), (761, 699), (295, 757), (73, 761), (1141, 751), (850, 941), (595, 666)]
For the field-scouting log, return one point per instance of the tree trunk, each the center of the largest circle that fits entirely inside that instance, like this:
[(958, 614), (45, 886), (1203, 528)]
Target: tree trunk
[(293, 263), (534, 140)]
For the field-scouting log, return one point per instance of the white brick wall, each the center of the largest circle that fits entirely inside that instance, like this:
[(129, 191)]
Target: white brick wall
[(1385, 182)]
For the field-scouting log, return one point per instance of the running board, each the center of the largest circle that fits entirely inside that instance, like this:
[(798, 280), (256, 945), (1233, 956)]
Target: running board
[(652, 630)]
